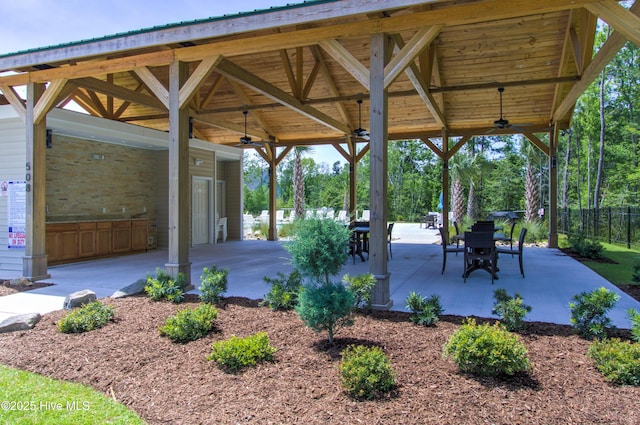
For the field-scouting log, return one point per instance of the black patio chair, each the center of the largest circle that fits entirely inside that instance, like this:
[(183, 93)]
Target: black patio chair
[(447, 248), (455, 226), (479, 253), (517, 251)]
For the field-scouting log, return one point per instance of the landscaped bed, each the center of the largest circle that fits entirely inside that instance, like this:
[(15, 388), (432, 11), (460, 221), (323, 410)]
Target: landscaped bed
[(173, 383)]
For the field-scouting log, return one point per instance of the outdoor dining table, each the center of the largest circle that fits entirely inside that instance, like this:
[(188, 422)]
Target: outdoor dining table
[(361, 231), (476, 265)]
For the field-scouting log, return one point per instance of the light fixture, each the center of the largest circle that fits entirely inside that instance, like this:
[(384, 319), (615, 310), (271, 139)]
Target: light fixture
[(197, 162), (360, 132)]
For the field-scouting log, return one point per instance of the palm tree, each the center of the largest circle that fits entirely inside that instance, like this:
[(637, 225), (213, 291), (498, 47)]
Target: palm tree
[(531, 186), (298, 180)]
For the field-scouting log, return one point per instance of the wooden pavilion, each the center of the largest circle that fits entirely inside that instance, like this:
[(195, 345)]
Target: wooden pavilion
[(423, 69)]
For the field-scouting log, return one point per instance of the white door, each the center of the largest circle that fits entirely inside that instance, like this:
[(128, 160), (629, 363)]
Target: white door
[(201, 210)]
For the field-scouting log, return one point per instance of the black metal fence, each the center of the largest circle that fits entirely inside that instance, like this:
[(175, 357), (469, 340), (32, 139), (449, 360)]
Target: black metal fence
[(613, 225)]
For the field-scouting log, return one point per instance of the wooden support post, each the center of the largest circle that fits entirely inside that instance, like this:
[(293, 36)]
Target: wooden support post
[(34, 262), (553, 187), (353, 164), (273, 182), (179, 184), (378, 113), (445, 182)]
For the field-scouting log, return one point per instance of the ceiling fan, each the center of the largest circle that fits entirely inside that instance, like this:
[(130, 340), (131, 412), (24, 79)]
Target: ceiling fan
[(501, 123), (246, 140), (360, 132)]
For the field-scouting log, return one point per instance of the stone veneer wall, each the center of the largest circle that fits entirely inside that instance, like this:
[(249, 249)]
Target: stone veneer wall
[(79, 185)]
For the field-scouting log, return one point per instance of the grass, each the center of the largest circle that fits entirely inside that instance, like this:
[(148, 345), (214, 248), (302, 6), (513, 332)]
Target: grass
[(621, 273), (28, 398)]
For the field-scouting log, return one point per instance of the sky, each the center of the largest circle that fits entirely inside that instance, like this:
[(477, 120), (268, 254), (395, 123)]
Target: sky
[(31, 24)]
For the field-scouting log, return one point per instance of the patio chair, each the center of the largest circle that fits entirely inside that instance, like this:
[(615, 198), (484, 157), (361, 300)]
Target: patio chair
[(479, 253), (455, 226), (222, 229), (517, 251), (389, 230), (447, 248)]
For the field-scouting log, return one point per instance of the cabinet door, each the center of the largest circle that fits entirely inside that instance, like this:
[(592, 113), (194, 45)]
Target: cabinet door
[(52, 242), (139, 235), (86, 239), (121, 236), (103, 238)]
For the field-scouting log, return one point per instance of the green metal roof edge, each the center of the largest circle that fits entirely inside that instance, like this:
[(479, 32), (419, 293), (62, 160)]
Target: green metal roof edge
[(169, 26)]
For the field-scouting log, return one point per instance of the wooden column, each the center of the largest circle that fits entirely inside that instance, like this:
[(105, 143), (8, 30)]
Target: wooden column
[(378, 173), (179, 184), (353, 163), (445, 182), (273, 182), (553, 187), (34, 262)]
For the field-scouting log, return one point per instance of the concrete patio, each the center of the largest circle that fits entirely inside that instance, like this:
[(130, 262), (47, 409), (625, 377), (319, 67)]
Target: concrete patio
[(551, 279)]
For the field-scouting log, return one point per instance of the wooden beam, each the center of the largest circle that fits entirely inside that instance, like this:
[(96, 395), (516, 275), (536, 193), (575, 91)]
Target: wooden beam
[(342, 152), (210, 119), (212, 91), (48, 99), (606, 53), (619, 18), (283, 154), (14, 100), (197, 77), (433, 147), (347, 61), (331, 85), (409, 52), (234, 72), (457, 146), (153, 84), (422, 87), (537, 143), (122, 93)]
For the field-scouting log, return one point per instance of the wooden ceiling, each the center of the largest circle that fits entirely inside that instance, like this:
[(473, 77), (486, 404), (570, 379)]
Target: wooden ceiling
[(299, 70)]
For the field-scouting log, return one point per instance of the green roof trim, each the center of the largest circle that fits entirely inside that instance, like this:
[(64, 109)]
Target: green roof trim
[(172, 25)]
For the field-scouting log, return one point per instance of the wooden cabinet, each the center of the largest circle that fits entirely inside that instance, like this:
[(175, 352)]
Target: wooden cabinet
[(139, 235), (121, 236), (67, 242), (103, 238)]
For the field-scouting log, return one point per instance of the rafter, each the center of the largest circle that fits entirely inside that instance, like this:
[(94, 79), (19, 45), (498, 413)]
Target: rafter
[(196, 78), (48, 99), (408, 53), (153, 84), (122, 93), (14, 100), (619, 18), (352, 65), (234, 72)]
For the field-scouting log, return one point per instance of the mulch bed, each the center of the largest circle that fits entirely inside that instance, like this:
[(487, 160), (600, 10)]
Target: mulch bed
[(7, 289), (169, 383)]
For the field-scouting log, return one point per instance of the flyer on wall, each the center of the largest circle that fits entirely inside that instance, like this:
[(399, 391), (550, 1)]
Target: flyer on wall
[(16, 208)]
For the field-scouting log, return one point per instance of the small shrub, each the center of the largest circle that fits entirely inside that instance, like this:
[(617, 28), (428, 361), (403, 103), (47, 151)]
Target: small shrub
[(589, 312), (618, 361), (366, 372), (326, 307), (189, 324), (318, 248), (511, 310), (86, 318), (487, 350), (585, 247), (214, 284), (425, 311), (634, 316), (284, 291), (361, 286), (237, 353), (163, 286), (636, 272)]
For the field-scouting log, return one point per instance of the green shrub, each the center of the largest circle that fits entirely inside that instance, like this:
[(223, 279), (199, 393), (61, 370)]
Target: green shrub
[(284, 291), (366, 372), (487, 350), (511, 310), (636, 272), (585, 247), (163, 286), (237, 353), (618, 361), (361, 286), (214, 284), (589, 312), (634, 316), (86, 318), (424, 311), (537, 230), (326, 307), (189, 324), (318, 248)]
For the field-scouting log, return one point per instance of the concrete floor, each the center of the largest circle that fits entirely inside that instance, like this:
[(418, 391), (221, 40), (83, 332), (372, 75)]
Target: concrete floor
[(551, 277)]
